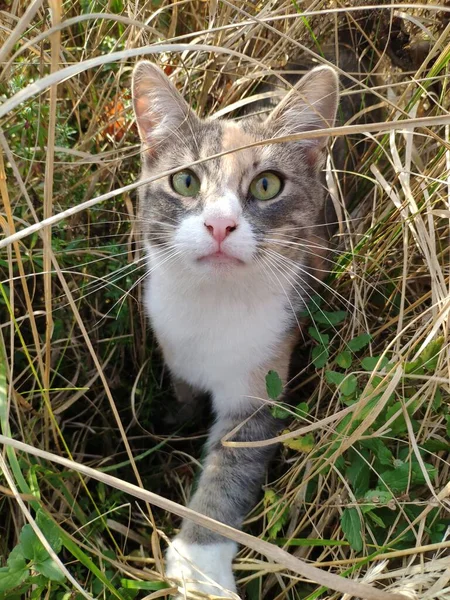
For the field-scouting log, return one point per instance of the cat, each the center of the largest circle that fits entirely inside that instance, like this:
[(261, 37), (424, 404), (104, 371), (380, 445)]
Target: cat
[(234, 247)]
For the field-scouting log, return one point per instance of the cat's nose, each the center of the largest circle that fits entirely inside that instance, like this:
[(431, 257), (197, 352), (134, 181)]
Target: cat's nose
[(220, 227)]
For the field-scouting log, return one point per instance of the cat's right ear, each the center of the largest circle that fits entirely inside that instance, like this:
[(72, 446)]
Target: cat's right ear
[(159, 108), (310, 105)]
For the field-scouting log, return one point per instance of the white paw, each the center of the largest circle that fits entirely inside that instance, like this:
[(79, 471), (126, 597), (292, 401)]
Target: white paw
[(202, 568)]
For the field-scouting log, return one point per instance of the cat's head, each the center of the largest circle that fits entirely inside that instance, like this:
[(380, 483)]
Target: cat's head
[(246, 208)]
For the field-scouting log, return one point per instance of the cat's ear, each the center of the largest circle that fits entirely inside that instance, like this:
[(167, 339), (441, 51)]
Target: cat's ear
[(159, 108), (310, 105)]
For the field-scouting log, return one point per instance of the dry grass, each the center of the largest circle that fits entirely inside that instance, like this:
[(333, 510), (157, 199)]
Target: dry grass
[(80, 376)]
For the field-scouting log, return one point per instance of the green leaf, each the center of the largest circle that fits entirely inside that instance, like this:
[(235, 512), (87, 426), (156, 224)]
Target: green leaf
[(405, 474), (302, 409), (344, 359), (378, 497), (132, 584), (278, 513), (85, 560), (418, 476), (436, 446), (16, 559), (10, 578), (33, 549), (398, 479), (437, 400), (126, 594), (33, 481), (376, 519), (437, 533), (370, 362), (50, 569), (325, 317), (274, 385), (398, 425), (31, 545), (334, 377), (347, 425), (322, 338), (359, 342), (313, 304), (415, 367), (358, 473), (319, 356), (278, 412), (304, 443), (50, 530), (430, 355), (351, 526), (382, 454), (349, 385), (253, 589), (349, 401), (16, 572)]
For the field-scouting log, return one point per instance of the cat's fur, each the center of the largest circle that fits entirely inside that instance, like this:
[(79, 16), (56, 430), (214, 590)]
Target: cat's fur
[(223, 325)]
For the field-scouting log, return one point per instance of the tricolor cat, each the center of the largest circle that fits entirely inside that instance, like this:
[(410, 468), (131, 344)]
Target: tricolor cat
[(234, 245)]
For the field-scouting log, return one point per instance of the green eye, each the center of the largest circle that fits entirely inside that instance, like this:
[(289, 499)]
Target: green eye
[(186, 183), (265, 186)]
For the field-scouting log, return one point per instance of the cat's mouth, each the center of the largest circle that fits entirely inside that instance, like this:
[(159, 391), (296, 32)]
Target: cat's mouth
[(220, 258)]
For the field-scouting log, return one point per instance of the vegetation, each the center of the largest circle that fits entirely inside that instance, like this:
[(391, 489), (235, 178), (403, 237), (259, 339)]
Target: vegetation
[(360, 486)]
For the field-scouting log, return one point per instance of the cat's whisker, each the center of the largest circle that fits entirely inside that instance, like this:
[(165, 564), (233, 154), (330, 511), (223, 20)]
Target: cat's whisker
[(111, 278), (309, 274), (126, 293), (306, 250), (312, 226), (102, 282), (296, 278), (305, 291), (311, 244), (308, 243), (73, 270), (352, 272), (293, 273), (288, 299), (98, 249), (107, 284), (129, 218), (153, 221), (291, 283), (100, 259), (142, 278)]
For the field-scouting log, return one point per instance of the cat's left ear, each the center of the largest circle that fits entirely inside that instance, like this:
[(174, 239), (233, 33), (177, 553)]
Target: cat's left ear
[(310, 105), (159, 108)]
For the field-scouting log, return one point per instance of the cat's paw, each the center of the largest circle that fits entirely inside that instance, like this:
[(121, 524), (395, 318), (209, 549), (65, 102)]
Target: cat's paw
[(202, 567)]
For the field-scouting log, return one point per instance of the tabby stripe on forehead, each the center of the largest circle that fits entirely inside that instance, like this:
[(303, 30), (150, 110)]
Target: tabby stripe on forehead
[(209, 141)]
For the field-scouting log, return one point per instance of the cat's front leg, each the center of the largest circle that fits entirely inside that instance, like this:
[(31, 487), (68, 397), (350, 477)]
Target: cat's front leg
[(231, 480)]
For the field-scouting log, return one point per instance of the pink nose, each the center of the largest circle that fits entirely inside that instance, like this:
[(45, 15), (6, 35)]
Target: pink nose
[(220, 227)]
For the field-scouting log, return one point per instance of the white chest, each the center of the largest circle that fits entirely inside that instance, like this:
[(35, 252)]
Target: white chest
[(215, 336)]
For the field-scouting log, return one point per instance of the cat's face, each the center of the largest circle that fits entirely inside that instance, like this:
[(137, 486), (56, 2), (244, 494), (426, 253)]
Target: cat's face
[(242, 210)]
